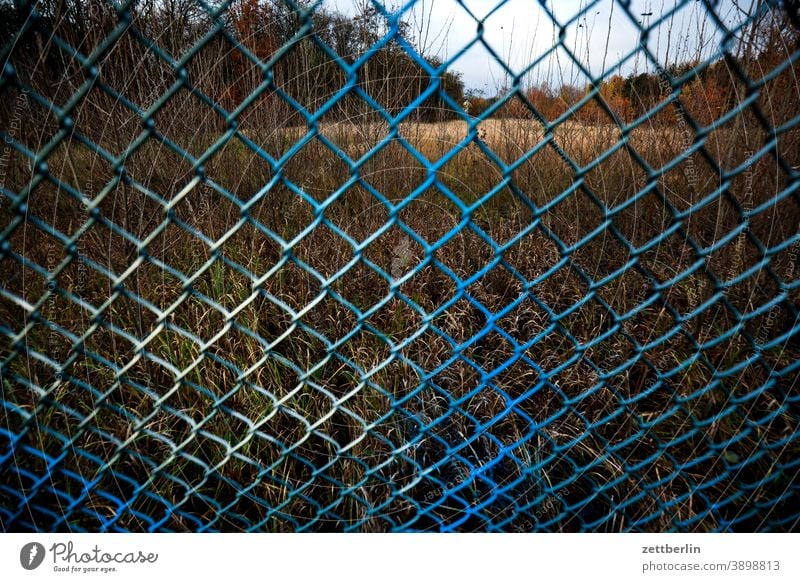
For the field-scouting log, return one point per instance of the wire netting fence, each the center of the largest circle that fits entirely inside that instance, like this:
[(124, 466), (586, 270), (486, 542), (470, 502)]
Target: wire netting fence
[(269, 266)]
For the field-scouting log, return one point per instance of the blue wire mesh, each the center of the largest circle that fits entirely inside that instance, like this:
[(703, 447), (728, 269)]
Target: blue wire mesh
[(114, 427)]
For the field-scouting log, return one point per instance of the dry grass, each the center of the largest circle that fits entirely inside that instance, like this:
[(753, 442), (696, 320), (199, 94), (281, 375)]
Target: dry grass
[(261, 396)]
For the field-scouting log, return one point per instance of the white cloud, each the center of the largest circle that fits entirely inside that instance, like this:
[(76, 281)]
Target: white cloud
[(520, 31)]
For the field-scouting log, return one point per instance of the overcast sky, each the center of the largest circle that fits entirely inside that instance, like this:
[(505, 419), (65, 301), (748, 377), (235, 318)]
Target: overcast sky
[(521, 31)]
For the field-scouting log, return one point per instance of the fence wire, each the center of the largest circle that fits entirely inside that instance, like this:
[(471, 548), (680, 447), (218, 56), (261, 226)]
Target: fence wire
[(346, 369)]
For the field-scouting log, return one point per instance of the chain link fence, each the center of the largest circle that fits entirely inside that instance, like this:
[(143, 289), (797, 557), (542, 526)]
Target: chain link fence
[(274, 266)]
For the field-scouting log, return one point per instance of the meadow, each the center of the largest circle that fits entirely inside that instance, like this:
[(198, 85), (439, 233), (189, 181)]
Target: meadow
[(249, 370)]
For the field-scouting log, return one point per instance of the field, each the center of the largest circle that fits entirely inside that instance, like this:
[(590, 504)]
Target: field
[(293, 357)]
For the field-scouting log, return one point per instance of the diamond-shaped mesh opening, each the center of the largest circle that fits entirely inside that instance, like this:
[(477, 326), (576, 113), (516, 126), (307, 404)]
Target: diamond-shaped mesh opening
[(649, 324), (337, 253), (396, 320), (692, 180), (132, 211), (238, 348), (29, 123), (173, 348), (784, 263), (54, 208), (181, 118), (613, 351), (525, 321), (760, 287), (725, 143), (588, 321), (173, 244), (552, 350), (239, 169), (587, 217), (311, 77), (223, 285), (561, 290), (656, 140), (617, 179), (393, 171), (292, 285), (626, 291), (429, 288), (577, 382), (775, 111), (543, 175), (777, 223), (118, 124), (374, 75), (431, 215), (34, 73), (357, 213), (465, 254), (108, 249), (688, 294), (268, 123), (601, 256), (18, 174), (128, 314), (518, 380), (331, 318), (158, 168), (644, 219), (145, 82), (362, 286), (283, 212), (505, 215), (721, 90), (512, 131), (461, 321), (352, 125), (317, 170), (469, 174), (251, 249), (80, 168), (533, 255), (365, 350), (219, 58), (543, 404), (711, 222), (668, 258), (38, 248), (395, 252), (496, 288), (433, 127), (610, 108), (489, 351)]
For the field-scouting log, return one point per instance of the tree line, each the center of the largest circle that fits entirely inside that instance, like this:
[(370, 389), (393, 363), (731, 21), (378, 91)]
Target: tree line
[(307, 54)]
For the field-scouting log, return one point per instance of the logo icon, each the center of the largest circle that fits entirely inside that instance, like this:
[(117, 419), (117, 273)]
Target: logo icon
[(31, 555)]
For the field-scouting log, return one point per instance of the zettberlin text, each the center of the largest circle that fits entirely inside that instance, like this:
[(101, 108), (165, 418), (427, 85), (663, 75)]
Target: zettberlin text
[(667, 549)]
